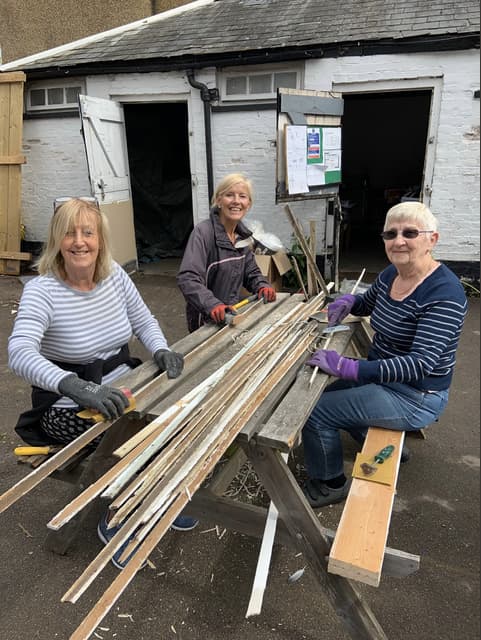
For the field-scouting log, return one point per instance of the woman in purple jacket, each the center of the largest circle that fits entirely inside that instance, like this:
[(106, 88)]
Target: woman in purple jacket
[(214, 269)]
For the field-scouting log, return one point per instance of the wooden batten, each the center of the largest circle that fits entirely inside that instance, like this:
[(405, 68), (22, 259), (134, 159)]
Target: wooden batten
[(359, 545), (11, 159)]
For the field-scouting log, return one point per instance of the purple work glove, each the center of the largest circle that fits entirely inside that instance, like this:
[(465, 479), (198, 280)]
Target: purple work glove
[(335, 365), (339, 309)]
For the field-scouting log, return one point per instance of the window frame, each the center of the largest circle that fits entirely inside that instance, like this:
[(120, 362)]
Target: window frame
[(259, 70), (45, 86)]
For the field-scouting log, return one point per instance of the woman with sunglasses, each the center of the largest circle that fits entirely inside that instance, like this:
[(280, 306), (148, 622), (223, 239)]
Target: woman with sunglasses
[(417, 308), (74, 323)]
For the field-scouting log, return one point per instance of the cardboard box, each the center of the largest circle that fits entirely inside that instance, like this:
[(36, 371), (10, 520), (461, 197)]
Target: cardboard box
[(274, 267)]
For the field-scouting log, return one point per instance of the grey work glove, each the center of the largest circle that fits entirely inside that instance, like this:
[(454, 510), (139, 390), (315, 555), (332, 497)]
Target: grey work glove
[(108, 401), (169, 361)]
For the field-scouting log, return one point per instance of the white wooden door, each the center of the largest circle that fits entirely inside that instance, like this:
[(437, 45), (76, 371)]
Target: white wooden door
[(103, 128)]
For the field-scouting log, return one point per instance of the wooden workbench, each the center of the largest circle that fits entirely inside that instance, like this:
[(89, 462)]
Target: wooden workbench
[(274, 429)]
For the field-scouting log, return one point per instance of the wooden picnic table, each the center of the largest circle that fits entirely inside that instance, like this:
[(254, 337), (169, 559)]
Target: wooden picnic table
[(274, 430)]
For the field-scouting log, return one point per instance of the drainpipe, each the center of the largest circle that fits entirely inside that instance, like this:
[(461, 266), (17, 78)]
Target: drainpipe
[(207, 95)]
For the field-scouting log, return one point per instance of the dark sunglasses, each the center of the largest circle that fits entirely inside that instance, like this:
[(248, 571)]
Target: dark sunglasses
[(58, 202), (409, 234)]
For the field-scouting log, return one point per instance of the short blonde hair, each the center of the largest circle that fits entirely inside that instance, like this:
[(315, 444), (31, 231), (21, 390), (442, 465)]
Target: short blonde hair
[(416, 212), (228, 182), (64, 219)]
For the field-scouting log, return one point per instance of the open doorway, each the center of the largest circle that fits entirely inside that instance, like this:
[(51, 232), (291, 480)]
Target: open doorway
[(384, 148), (159, 164)]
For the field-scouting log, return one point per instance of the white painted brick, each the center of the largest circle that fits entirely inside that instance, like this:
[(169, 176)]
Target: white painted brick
[(244, 141)]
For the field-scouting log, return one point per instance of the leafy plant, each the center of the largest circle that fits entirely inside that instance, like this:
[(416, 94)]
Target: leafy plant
[(290, 280)]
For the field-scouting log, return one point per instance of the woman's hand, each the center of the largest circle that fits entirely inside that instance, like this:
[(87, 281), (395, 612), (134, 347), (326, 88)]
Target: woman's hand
[(335, 365), (268, 293), (217, 314), (169, 361), (340, 309), (108, 401)]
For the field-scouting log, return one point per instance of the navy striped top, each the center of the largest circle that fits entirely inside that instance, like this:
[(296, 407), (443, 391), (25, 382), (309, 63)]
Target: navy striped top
[(415, 339)]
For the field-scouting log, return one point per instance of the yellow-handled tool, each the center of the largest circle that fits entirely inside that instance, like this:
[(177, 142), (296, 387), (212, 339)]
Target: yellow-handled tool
[(35, 451), (243, 303), (90, 414)]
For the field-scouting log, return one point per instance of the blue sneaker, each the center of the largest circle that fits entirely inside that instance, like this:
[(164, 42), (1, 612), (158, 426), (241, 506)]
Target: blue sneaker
[(105, 534), (184, 523)]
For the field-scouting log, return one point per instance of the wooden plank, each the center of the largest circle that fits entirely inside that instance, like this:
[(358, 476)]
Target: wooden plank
[(283, 428), (250, 519), (358, 549), (15, 255), (227, 346), (14, 76), (283, 489), (312, 287), (223, 478), (299, 233), (14, 159), (11, 123)]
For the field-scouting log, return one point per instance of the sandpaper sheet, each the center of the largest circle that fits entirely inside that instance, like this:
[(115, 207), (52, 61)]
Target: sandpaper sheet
[(385, 473)]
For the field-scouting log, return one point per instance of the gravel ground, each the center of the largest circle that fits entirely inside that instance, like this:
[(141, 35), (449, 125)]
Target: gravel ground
[(198, 586)]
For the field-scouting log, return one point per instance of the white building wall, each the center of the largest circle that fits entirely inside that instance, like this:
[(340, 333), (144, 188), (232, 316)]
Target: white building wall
[(245, 141), (56, 166), (455, 197), (249, 147)]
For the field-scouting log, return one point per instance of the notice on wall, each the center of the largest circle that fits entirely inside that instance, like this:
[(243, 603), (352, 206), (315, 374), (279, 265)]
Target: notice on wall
[(296, 159), (313, 157)]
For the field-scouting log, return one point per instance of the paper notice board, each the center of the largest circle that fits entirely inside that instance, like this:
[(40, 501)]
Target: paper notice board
[(313, 157)]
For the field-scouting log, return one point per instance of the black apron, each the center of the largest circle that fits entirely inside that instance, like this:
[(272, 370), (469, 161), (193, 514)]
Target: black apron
[(28, 425)]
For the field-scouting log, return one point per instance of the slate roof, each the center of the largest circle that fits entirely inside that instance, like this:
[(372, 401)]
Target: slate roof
[(208, 30)]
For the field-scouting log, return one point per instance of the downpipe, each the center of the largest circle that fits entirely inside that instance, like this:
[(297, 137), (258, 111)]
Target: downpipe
[(207, 95)]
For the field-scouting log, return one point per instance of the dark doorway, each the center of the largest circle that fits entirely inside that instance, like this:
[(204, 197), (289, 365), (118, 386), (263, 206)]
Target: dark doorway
[(384, 147), (159, 163)]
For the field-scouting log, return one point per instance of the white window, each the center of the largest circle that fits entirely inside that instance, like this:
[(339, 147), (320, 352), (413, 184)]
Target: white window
[(53, 95), (257, 85)]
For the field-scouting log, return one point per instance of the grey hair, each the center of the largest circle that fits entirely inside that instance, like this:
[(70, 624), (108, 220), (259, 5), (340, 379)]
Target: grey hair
[(416, 212)]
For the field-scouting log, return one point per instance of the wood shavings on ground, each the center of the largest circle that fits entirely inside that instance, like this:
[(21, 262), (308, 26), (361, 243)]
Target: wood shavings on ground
[(246, 487), (27, 533)]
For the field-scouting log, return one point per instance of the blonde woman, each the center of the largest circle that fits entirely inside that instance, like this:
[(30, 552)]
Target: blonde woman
[(214, 269), (74, 322)]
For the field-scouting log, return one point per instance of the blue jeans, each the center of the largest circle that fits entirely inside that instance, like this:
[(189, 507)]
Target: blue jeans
[(354, 408)]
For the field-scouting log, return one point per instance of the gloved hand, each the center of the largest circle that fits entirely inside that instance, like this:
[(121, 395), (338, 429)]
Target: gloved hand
[(268, 293), (339, 309), (335, 365), (218, 313), (108, 401), (169, 361)]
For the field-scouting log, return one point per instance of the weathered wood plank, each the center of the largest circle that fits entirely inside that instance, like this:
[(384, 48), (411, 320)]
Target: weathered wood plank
[(303, 525), (14, 76), (358, 549), (15, 255), (283, 428), (250, 519)]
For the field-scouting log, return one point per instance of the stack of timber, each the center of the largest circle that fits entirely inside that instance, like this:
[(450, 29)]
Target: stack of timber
[(163, 465)]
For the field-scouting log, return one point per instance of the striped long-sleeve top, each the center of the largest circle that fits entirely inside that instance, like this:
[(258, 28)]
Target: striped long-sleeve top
[(56, 322), (415, 339)]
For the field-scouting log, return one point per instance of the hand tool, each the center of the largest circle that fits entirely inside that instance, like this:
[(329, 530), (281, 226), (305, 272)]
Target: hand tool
[(229, 317), (90, 414), (379, 458), (327, 331), (242, 303), (36, 451)]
